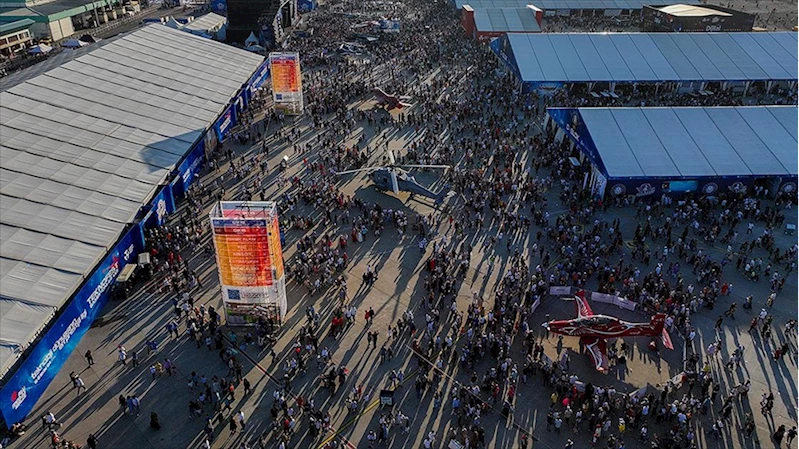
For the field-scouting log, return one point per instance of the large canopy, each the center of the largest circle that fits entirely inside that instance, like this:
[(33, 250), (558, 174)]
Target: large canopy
[(520, 20), (692, 142), (562, 4), (87, 138), (650, 57)]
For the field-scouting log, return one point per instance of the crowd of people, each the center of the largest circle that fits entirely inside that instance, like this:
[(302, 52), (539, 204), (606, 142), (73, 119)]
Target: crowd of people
[(504, 217)]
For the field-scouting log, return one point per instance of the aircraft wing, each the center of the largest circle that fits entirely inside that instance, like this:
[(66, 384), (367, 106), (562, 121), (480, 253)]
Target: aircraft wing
[(666, 338), (598, 350), (583, 309)]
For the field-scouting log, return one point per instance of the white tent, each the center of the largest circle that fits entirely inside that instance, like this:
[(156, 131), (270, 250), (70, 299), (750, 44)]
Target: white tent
[(74, 43), (40, 49), (172, 23), (251, 40)]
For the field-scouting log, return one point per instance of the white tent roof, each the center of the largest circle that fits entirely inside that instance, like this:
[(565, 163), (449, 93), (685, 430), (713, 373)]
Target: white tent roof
[(206, 23), (520, 20), (682, 10), (87, 138), (560, 4), (631, 57), (690, 142)]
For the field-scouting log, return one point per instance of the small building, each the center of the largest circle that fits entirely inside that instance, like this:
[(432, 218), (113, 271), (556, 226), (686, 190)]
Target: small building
[(700, 18), (653, 151), (484, 24), (59, 19), (15, 36)]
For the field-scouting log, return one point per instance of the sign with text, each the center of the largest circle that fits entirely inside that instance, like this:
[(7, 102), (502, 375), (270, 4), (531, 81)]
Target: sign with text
[(249, 257), (286, 82), (27, 385)]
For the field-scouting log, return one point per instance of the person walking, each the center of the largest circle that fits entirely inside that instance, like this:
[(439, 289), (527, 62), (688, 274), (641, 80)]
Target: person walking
[(232, 424), (79, 384), (240, 418), (89, 357), (122, 355), (779, 434), (790, 435)]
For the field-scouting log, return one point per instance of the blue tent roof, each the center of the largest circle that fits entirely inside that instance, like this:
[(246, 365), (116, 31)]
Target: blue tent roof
[(520, 20), (692, 142), (563, 4), (632, 57)]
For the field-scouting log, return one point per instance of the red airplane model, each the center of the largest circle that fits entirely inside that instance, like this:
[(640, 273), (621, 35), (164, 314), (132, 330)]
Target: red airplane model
[(390, 101), (594, 329)]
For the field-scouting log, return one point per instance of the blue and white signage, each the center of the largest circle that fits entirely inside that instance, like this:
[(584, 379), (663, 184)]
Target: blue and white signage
[(226, 122), (29, 382)]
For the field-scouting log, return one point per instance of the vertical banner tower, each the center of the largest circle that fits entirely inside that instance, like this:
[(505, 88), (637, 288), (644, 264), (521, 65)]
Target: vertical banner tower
[(286, 82), (250, 261)]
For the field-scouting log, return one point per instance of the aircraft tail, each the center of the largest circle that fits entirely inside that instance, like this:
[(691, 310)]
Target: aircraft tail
[(658, 323)]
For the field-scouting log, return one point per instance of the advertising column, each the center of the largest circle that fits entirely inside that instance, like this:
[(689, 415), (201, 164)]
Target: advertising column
[(250, 261), (286, 82)]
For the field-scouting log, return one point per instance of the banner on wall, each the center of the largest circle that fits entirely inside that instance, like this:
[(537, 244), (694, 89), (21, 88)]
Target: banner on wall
[(20, 394), (190, 167), (286, 82), (226, 122), (570, 122), (260, 77), (162, 205)]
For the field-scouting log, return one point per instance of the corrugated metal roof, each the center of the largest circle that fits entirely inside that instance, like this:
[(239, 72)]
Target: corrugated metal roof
[(689, 142), (633, 57), (518, 20), (561, 4), (87, 138)]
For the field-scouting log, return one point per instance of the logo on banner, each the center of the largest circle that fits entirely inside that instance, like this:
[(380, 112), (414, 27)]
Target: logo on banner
[(710, 188), (737, 187), (160, 210), (225, 123), (645, 189), (618, 190), (18, 397), (789, 187)]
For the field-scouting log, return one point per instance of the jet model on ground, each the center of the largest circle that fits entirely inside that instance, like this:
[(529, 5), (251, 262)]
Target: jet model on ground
[(594, 329), (390, 101), (392, 177)]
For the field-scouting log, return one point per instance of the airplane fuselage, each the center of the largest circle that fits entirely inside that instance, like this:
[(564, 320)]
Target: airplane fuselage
[(600, 326)]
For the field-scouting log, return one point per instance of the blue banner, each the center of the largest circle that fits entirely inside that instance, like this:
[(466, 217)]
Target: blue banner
[(571, 122), (304, 6), (226, 122), (260, 77), (219, 7), (190, 167), (162, 205), (501, 47), (40, 367)]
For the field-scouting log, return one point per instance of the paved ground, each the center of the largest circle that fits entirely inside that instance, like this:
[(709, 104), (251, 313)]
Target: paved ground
[(398, 262)]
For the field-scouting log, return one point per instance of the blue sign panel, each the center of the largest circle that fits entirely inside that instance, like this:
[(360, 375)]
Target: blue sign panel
[(162, 205), (190, 167), (226, 122), (219, 7), (502, 48), (29, 382), (571, 122), (260, 77), (304, 6)]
